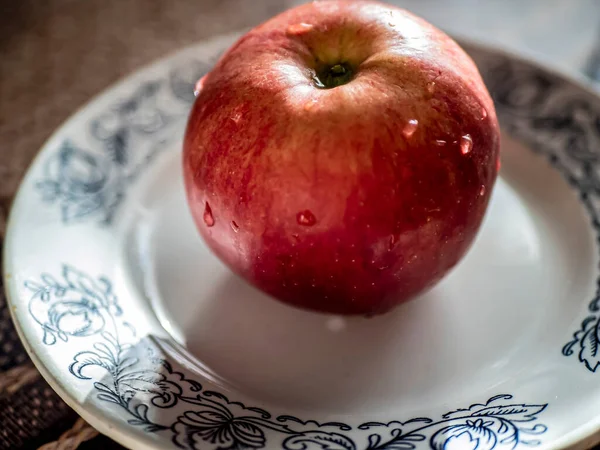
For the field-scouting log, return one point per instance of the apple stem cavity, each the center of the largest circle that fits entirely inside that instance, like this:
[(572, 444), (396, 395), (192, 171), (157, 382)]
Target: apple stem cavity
[(333, 76)]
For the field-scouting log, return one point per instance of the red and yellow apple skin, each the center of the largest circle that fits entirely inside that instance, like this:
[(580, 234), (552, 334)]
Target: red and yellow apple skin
[(341, 156)]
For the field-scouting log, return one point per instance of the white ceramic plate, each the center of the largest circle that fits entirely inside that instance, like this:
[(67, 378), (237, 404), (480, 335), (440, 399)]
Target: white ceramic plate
[(154, 342)]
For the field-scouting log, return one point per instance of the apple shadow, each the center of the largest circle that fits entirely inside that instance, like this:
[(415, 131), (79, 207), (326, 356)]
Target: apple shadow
[(438, 347), (289, 356), (271, 351)]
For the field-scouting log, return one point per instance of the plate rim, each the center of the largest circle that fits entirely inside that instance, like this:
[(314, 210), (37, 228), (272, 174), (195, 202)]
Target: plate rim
[(584, 436)]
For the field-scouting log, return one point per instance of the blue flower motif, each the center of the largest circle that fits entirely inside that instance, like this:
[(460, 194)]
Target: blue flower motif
[(219, 428), (474, 435), (77, 305), (523, 91), (81, 183), (76, 318), (141, 111)]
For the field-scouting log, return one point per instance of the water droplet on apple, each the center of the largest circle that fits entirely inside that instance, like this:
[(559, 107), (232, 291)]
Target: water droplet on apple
[(234, 226), (199, 86), (410, 128), (482, 190), (431, 87), (336, 324), (209, 220), (296, 237), (298, 29), (483, 113), (236, 117), (393, 240), (466, 144), (309, 104), (306, 218), (440, 142)]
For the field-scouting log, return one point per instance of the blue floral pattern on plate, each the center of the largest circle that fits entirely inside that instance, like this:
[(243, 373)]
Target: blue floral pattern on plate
[(538, 108), (76, 305), (88, 181)]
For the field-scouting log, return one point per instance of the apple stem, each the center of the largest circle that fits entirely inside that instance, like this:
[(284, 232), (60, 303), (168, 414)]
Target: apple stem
[(338, 69), (333, 76)]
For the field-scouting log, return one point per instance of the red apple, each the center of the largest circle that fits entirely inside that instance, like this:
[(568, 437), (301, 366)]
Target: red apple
[(341, 156)]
